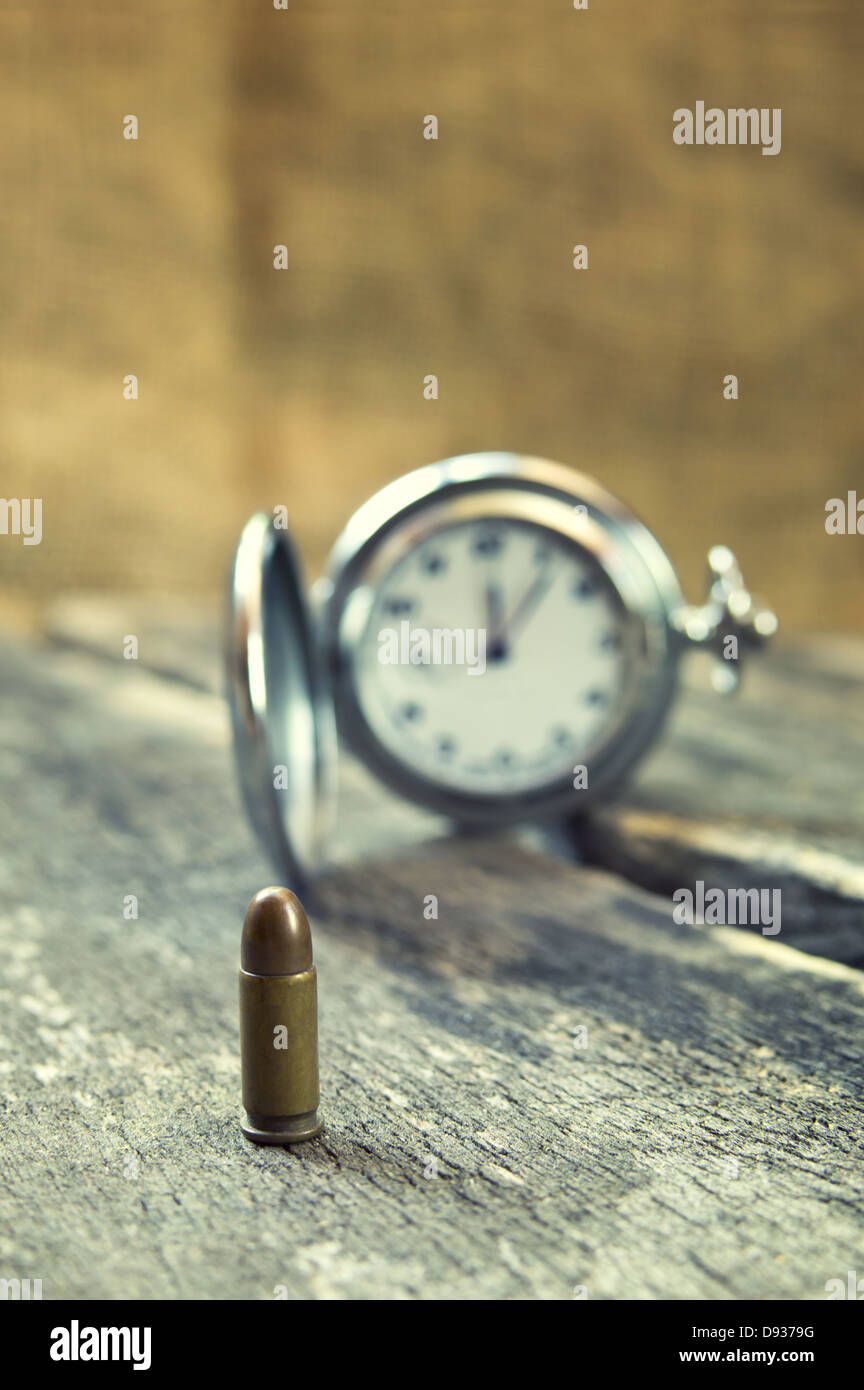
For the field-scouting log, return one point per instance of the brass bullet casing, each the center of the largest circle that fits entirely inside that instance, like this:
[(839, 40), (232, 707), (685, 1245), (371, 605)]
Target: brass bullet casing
[(278, 1021)]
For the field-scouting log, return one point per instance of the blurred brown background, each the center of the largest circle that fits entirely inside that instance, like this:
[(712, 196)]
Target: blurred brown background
[(409, 257)]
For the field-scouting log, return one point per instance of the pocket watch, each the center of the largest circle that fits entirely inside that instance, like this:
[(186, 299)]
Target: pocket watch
[(496, 637)]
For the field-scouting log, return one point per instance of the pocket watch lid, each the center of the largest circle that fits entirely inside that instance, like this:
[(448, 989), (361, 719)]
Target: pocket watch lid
[(281, 709)]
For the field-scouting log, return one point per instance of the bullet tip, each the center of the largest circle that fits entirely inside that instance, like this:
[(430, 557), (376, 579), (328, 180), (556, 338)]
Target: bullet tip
[(276, 937)]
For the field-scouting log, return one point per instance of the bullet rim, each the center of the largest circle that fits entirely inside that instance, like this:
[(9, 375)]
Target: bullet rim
[(286, 1129)]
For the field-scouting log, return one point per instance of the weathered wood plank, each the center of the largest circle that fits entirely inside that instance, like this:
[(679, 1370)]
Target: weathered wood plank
[(764, 789), (718, 1092), (761, 790)]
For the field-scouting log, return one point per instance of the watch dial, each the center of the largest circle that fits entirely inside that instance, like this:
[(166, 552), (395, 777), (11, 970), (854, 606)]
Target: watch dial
[(493, 658)]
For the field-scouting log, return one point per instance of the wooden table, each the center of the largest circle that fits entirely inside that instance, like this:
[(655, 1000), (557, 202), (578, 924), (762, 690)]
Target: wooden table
[(705, 1141)]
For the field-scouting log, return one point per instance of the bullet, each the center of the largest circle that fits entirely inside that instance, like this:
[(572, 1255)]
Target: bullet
[(278, 1021)]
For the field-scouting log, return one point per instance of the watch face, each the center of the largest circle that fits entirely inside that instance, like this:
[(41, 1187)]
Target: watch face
[(494, 658)]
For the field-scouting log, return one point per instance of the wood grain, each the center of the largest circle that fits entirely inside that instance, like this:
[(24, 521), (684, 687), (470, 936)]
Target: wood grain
[(763, 789), (719, 1089), (760, 789)]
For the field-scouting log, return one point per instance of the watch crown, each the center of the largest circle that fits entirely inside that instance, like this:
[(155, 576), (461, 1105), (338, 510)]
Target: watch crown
[(729, 622)]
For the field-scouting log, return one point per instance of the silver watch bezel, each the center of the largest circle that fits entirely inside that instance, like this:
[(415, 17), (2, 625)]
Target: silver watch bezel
[(407, 511), (281, 711)]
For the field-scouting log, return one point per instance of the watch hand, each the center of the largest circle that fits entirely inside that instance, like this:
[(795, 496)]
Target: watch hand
[(496, 649), (528, 602)]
